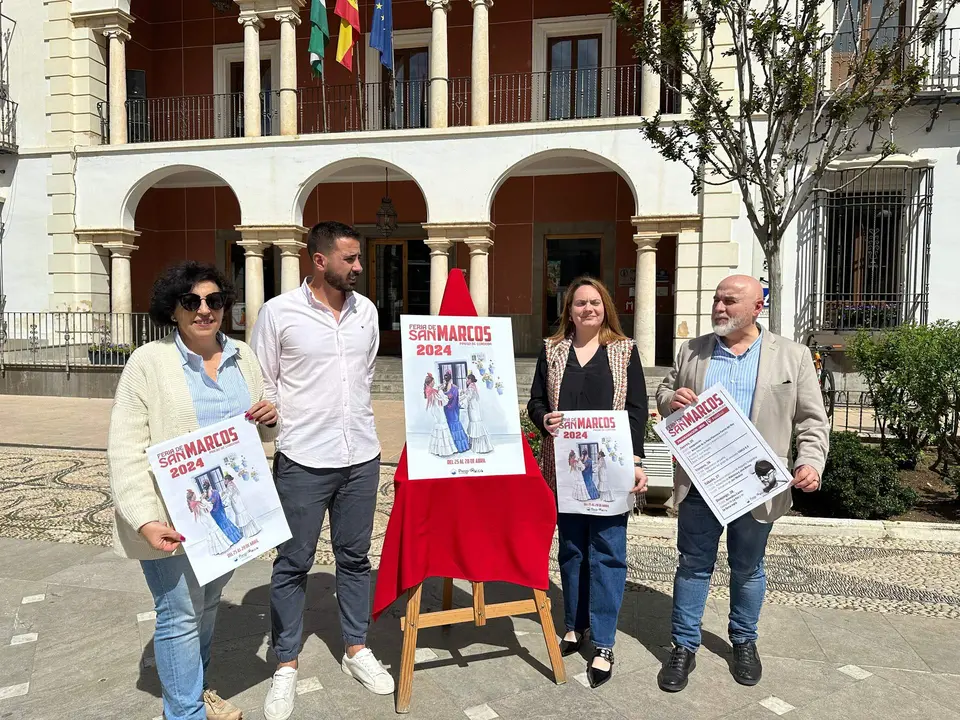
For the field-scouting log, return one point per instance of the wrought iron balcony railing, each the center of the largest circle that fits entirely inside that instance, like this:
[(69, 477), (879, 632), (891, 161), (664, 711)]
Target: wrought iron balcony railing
[(354, 107), (940, 59)]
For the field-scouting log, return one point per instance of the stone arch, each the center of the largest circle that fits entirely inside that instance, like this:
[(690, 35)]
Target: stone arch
[(559, 153), (310, 183), (139, 189)]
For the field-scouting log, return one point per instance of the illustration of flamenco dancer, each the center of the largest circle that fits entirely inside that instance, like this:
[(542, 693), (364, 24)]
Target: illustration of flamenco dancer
[(602, 487), (580, 493), (587, 465), (219, 513), (452, 411), (217, 542), (237, 509), (476, 431), (441, 442)]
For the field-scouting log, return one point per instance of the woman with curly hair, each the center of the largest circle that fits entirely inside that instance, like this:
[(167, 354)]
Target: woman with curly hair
[(441, 442), (194, 377)]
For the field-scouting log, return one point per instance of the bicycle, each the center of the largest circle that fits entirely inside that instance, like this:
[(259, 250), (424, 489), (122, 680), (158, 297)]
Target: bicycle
[(824, 377)]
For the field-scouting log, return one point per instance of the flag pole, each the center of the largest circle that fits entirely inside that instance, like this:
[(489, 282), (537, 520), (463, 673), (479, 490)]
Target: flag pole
[(323, 99), (393, 79), (356, 49)]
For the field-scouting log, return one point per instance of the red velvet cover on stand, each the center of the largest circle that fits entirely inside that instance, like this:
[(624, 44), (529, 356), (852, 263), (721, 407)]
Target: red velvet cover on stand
[(481, 529)]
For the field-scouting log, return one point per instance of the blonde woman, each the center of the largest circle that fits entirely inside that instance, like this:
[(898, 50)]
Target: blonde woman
[(194, 377), (590, 365)]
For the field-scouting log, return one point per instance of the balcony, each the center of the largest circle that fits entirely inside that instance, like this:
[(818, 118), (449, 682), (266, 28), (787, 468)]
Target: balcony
[(941, 59), (514, 98)]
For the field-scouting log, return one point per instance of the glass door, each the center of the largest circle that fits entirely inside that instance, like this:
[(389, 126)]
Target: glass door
[(400, 285), (566, 259)]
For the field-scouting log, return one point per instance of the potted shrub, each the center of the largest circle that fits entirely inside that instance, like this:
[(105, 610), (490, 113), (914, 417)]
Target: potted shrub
[(109, 353)]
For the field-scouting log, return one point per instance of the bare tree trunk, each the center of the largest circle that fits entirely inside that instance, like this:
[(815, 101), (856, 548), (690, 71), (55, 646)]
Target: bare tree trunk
[(775, 270)]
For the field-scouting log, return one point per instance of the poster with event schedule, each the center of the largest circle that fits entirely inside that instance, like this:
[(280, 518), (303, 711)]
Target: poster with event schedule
[(594, 462), (724, 454), (219, 494), (460, 397)]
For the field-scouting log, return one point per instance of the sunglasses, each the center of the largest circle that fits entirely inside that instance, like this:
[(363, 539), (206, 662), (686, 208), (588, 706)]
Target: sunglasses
[(191, 301)]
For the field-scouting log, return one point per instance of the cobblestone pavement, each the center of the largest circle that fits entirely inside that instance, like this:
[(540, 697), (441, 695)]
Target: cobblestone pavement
[(63, 496)]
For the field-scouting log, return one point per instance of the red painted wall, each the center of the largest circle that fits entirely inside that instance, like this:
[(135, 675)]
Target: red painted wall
[(177, 224)]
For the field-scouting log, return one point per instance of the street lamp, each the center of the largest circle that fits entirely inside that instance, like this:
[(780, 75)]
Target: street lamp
[(387, 215)]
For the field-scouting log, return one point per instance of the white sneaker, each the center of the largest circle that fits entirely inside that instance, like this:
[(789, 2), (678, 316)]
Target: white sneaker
[(367, 669), (278, 705)]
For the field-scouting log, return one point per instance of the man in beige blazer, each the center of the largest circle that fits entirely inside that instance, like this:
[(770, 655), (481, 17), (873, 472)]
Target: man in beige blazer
[(774, 382)]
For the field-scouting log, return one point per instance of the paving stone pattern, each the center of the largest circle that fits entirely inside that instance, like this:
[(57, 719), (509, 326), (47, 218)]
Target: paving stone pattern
[(63, 496)]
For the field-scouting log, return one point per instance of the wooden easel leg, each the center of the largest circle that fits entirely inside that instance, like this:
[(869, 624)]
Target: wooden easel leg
[(447, 600), (479, 605), (408, 656), (550, 636)]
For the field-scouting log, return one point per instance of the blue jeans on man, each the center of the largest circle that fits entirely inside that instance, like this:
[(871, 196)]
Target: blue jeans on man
[(698, 539)]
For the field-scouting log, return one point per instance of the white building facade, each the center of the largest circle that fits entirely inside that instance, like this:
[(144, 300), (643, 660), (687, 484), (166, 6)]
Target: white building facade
[(509, 145)]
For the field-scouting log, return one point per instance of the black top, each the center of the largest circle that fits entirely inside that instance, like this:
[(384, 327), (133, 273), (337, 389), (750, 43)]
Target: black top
[(591, 388)]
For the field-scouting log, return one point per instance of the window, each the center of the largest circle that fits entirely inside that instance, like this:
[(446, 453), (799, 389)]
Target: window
[(873, 248), (412, 69), (227, 101), (856, 21), (573, 87)]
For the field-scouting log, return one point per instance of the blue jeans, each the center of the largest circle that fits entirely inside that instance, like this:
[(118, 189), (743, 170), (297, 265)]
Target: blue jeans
[(186, 614), (698, 537), (593, 573)]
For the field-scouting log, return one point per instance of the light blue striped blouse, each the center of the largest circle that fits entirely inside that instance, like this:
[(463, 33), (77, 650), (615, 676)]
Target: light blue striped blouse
[(737, 373), (215, 400)]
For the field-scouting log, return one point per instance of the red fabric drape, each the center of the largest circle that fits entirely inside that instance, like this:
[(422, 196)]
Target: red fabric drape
[(481, 529)]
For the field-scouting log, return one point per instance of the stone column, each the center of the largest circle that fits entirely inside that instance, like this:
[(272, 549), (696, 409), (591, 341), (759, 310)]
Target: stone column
[(480, 273), (253, 249), (290, 262), (645, 297), (120, 247), (439, 269), (480, 75), (288, 71), (650, 83), (438, 63), (251, 76), (117, 38)]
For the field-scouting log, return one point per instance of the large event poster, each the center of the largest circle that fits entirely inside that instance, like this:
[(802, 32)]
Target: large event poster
[(460, 397), (594, 459), (724, 455), (220, 496)]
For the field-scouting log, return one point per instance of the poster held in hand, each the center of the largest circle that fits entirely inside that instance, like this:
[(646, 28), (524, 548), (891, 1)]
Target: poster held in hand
[(594, 459), (460, 397), (219, 494), (724, 454)]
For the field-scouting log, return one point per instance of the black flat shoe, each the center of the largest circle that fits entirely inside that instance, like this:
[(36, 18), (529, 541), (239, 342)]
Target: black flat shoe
[(747, 668), (598, 677), (571, 647), (675, 671)]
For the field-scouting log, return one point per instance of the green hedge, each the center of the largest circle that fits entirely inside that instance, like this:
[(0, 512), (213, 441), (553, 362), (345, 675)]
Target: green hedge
[(859, 482)]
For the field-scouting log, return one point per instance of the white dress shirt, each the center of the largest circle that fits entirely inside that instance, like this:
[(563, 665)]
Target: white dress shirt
[(318, 373)]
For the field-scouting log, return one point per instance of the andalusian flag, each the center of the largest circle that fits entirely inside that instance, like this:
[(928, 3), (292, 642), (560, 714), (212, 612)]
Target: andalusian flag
[(319, 35), (349, 22)]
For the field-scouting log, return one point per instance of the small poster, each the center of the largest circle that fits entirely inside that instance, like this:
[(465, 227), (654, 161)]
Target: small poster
[(460, 397), (594, 457), (220, 496), (724, 454)]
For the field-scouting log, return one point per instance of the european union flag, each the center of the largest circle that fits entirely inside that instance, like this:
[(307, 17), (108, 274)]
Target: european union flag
[(381, 31)]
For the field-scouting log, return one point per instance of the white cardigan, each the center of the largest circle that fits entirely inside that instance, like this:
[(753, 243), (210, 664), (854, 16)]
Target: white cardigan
[(153, 404)]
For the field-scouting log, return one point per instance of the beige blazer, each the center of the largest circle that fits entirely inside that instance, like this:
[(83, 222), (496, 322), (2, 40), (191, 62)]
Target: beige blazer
[(153, 404), (787, 401)]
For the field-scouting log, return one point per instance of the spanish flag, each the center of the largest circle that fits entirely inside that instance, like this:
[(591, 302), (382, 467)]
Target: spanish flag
[(349, 14)]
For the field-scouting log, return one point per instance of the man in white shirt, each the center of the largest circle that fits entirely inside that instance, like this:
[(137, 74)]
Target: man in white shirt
[(318, 347)]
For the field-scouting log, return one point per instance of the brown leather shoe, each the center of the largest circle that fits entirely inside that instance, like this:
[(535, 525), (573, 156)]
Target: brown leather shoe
[(219, 709)]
